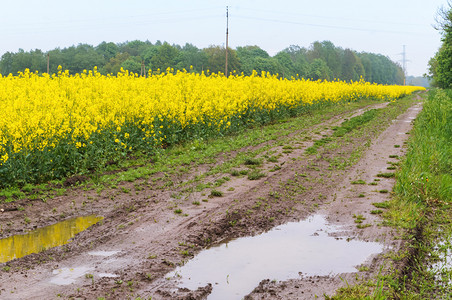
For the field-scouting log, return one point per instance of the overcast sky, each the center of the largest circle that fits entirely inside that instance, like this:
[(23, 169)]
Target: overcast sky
[(382, 26)]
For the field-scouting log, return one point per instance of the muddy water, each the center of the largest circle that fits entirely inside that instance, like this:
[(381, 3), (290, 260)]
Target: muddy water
[(288, 251), (43, 238)]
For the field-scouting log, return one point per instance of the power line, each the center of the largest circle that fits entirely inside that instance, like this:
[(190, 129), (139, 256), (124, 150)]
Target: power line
[(325, 26), (296, 14)]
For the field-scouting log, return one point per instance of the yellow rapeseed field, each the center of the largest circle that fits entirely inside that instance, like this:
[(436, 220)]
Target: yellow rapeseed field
[(45, 118)]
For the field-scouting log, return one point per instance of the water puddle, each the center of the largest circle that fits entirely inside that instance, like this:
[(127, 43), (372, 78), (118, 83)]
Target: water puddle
[(442, 268), (44, 238), (103, 253), (66, 276), (288, 251), (108, 275)]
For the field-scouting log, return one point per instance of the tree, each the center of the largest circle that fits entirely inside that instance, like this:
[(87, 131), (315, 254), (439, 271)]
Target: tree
[(318, 69), (294, 62), (132, 64), (254, 58), (352, 68), (441, 65), (107, 50), (191, 56), (216, 59), (6, 63), (115, 63), (165, 57)]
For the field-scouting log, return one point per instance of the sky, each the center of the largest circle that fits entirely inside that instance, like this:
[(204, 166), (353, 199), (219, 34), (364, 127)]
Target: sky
[(383, 26)]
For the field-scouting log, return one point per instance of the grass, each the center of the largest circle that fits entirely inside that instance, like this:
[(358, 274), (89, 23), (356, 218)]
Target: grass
[(360, 181), (253, 162), (384, 204), (355, 122), (256, 175), (216, 193), (346, 127), (386, 175)]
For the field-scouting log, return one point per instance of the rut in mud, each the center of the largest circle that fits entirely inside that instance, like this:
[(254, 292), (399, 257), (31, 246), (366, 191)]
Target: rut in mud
[(153, 225)]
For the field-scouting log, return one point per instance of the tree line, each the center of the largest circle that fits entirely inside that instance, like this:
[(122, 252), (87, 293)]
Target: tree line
[(321, 60), (440, 66)]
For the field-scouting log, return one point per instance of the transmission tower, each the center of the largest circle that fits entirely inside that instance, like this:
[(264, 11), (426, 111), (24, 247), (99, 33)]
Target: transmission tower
[(404, 63)]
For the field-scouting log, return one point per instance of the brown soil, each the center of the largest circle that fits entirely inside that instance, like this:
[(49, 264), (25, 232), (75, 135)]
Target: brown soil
[(140, 222)]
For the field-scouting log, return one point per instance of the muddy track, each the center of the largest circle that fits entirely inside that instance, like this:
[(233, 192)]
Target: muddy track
[(142, 238)]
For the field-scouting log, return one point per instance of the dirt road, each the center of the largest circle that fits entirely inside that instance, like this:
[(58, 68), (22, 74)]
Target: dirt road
[(150, 226)]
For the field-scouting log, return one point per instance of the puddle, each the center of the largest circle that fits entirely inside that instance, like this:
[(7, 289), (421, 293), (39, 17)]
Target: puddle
[(443, 266), (236, 268), (103, 253), (66, 276), (44, 238), (108, 275)]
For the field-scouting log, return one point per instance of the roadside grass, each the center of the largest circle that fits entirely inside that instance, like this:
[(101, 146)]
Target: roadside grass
[(420, 209)]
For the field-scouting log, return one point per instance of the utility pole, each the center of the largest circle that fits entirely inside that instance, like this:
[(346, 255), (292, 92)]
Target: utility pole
[(227, 36), (404, 61)]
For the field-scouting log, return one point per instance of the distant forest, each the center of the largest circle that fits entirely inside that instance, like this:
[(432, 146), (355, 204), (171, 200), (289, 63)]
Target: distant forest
[(322, 60)]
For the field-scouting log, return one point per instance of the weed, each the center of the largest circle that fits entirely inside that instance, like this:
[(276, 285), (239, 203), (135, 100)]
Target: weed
[(361, 195), (257, 204), (396, 146), (363, 268), (384, 204), (178, 211), (393, 156), (235, 172), (244, 172), (272, 159), (216, 193), (384, 191), (386, 175), (255, 175), (360, 181), (376, 211), (196, 203), (358, 218), (275, 168), (253, 162), (362, 226)]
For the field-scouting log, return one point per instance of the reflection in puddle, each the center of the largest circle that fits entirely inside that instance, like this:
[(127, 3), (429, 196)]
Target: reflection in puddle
[(43, 238), (67, 276), (236, 268)]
